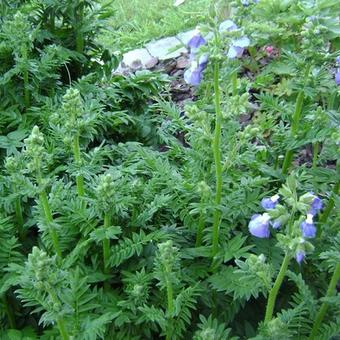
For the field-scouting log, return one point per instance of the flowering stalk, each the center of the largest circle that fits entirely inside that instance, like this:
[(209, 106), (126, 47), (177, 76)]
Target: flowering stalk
[(26, 80), (329, 207), (294, 128), (77, 158), (217, 159), (275, 289), (170, 306), (106, 244), (9, 312), (323, 309), (48, 215), (19, 218), (60, 320), (234, 83), (201, 223)]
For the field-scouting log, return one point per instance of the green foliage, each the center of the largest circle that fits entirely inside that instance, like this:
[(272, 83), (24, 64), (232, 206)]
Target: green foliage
[(105, 183)]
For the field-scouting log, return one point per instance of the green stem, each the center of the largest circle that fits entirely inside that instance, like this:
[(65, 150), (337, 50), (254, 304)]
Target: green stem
[(26, 80), (275, 289), (234, 83), (49, 218), (323, 309), (60, 320), (315, 154), (217, 159), (19, 218), (201, 223), (52, 21), (294, 128), (170, 308), (329, 207), (106, 244), (62, 329), (79, 34), (9, 312), (77, 158)]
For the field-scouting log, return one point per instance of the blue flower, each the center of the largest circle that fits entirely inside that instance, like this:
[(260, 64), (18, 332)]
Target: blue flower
[(307, 227), (276, 224), (237, 47), (337, 77), (270, 202), (316, 206), (197, 40), (259, 225), (227, 26), (299, 256), (337, 60), (194, 74), (245, 3)]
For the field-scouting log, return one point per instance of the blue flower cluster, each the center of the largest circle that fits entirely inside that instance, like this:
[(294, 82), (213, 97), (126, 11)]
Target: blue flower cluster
[(259, 224), (246, 3), (337, 73), (194, 74)]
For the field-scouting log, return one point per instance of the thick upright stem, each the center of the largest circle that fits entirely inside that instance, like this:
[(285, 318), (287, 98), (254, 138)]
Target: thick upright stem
[(106, 244), (26, 80), (328, 209), (60, 320), (9, 312), (323, 309), (217, 158), (275, 289), (49, 218), (79, 34), (62, 329), (77, 158), (170, 308), (294, 129), (200, 228), (234, 83), (19, 218)]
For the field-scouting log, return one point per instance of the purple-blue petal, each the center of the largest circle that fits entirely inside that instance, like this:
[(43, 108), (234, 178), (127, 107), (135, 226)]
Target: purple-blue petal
[(267, 203), (299, 256), (337, 77), (241, 42), (203, 62), (235, 52), (276, 224), (259, 226), (245, 3), (308, 229), (227, 25), (316, 206), (193, 77), (196, 41)]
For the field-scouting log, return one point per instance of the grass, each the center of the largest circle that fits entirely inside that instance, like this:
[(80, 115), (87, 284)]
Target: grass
[(138, 21)]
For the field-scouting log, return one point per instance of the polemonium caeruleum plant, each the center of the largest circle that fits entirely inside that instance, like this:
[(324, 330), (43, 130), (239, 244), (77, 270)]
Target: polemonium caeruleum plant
[(217, 54), (292, 221)]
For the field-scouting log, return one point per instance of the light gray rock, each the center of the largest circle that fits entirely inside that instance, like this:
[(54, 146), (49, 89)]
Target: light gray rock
[(166, 48), (138, 58)]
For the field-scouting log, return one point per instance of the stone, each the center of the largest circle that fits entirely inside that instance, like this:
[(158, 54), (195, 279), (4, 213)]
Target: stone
[(166, 48), (136, 59), (182, 62), (151, 63)]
